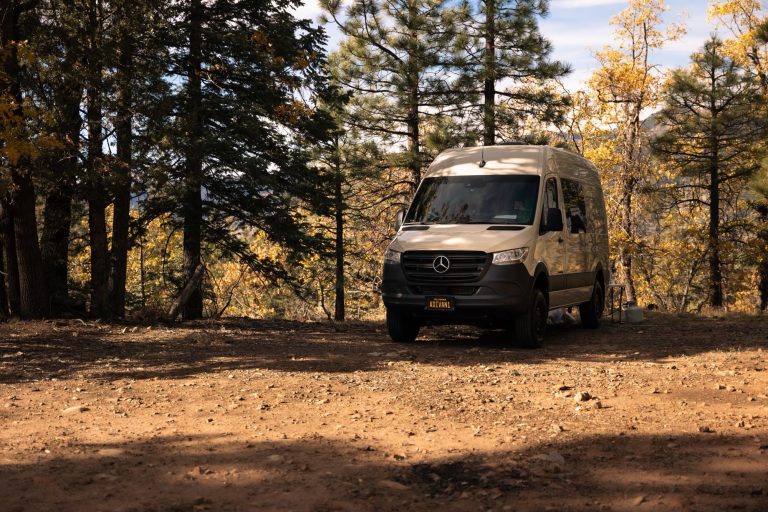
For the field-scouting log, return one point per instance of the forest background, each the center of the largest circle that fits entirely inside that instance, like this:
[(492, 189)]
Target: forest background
[(214, 157)]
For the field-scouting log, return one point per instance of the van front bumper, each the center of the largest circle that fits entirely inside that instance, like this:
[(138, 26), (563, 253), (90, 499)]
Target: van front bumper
[(503, 290)]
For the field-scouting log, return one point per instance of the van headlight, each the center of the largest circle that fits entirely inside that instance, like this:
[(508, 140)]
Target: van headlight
[(510, 257), (392, 256)]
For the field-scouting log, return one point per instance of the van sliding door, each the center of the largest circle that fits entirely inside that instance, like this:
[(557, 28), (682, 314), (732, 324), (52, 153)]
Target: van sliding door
[(551, 246), (578, 233)]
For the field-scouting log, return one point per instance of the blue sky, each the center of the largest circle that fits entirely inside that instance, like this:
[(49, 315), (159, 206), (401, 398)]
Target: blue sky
[(579, 27)]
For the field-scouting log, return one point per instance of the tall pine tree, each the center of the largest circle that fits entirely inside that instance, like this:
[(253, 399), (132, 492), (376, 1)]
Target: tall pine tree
[(17, 21), (500, 51), (713, 115), (395, 61), (247, 74), (350, 163)]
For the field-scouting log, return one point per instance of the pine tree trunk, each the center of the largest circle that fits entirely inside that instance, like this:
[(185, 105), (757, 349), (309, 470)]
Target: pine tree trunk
[(4, 311), (762, 264), (11, 260), (762, 211), (193, 204), (33, 293), (122, 208), (186, 292), (489, 88), (33, 296), (142, 275), (715, 270), (97, 237), (54, 243), (57, 213), (96, 191), (412, 116), (762, 271), (339, 312), (414, 145)]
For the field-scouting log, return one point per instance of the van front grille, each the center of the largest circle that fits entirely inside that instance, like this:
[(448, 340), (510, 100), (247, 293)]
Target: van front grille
[(463, 266)]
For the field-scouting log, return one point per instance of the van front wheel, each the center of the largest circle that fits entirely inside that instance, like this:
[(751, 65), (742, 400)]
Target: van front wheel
[(590, 312), (402, 327), (531, 325)]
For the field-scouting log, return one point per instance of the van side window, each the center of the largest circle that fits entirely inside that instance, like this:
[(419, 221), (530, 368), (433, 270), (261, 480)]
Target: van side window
[(575, 206), (550, 199)]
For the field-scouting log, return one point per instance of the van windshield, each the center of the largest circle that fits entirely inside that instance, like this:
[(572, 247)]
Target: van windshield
[(487, 199)]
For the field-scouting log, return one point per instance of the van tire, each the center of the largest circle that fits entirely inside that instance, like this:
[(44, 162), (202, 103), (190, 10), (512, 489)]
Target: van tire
[(402, 327), (531, 326), (591, 312)]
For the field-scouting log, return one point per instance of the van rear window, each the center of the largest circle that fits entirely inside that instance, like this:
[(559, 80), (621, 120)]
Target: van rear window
[(485, 199)]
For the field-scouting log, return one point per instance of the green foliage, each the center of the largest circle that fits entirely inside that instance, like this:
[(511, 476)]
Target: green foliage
[(394, 61), (500, 43), (260, 79), (713, 124), (714, 109), (302, 161)]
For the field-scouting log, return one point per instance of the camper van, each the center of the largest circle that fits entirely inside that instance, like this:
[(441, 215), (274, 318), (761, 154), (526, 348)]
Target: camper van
[(499, 236)]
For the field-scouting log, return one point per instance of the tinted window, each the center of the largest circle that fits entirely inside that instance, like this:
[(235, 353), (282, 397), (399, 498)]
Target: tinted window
[(575, 206), (475, 200)]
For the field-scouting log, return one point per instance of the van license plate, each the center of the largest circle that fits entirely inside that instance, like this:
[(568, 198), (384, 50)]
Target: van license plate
[(440, 303)]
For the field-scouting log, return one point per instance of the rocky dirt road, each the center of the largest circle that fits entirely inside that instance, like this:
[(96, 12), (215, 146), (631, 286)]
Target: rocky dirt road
[(240, 416)]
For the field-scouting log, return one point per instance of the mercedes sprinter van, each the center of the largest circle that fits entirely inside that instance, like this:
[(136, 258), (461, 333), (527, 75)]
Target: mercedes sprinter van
[(499, 236)]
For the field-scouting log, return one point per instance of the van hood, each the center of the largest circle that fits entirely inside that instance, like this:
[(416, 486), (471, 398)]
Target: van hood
[(461, 237)]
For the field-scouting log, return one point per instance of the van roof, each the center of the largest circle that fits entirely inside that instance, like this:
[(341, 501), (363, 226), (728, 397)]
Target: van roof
[(501, 159)]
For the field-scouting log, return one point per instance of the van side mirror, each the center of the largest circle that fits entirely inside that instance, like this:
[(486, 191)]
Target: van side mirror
[(399, 219), (554, 220)]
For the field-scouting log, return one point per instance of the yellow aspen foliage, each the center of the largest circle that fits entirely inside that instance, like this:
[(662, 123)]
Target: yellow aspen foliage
[(624, 89), (231, 287), (747, 21), (154, 267)]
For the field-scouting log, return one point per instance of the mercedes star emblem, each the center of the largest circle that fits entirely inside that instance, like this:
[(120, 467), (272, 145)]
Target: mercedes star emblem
[(441, 264)]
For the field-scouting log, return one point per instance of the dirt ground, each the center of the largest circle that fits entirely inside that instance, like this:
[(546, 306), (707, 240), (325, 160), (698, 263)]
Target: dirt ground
[(249, 415)]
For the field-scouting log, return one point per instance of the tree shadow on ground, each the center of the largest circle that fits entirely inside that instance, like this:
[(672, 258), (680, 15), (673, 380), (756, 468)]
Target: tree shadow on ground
[(33, 351), (700, 472)]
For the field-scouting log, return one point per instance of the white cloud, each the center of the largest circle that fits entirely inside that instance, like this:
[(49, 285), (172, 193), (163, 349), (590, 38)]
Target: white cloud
[(576, 34), (583, 39)]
